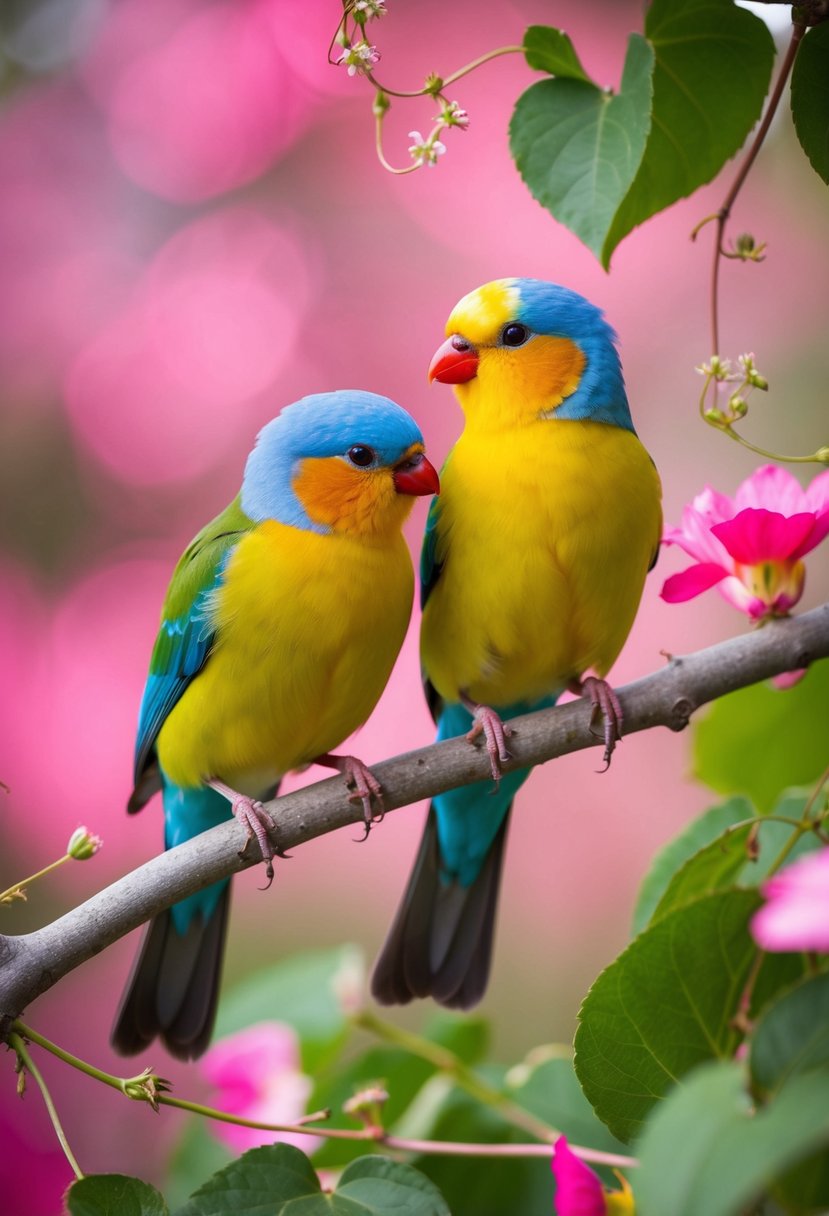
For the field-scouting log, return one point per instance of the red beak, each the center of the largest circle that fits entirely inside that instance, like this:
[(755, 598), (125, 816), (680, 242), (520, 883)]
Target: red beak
[(454, 362), (416, 476)]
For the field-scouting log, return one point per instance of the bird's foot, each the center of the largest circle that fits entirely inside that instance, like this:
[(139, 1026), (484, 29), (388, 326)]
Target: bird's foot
[(256, 821), (486, 722), (361, 780), (605, 705)]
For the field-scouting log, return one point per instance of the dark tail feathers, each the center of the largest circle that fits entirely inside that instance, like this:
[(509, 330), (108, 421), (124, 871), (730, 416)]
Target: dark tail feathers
[(440, 943), (174, 986)]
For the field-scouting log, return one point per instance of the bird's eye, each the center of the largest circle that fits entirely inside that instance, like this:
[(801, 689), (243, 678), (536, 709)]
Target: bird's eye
[(515, 335), (360, 455)]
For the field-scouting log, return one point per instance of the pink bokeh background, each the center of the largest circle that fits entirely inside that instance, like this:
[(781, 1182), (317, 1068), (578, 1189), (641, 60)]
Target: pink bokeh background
[(194, 231)]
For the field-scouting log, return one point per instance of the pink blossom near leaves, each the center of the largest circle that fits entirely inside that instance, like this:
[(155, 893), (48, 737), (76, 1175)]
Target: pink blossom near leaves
[(580, 1191), (257, 1075), (751, 547), (795, 915)]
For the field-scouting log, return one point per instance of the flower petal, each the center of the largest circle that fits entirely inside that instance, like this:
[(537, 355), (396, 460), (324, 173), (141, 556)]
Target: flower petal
[(773, 488), (757, 535), (691, 582), (579, 1190), (796, 916)]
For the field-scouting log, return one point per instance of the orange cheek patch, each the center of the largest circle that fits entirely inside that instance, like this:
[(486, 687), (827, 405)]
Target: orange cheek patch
[(341, 497)]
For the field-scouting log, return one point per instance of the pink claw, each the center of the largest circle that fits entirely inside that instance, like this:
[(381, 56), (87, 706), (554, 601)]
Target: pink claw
[(495, 732), (360, 779), (256, 821), (606, 704)]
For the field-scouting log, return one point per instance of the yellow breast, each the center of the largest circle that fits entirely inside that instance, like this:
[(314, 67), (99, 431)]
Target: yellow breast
[(307, 630), (546, 538)]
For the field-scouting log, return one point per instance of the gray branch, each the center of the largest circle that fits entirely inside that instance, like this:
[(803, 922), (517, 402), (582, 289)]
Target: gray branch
[(30, 964)]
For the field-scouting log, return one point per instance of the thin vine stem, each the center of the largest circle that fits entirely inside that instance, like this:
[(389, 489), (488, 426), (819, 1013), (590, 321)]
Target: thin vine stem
[(16, 890), (19, 1047), (721, 217)]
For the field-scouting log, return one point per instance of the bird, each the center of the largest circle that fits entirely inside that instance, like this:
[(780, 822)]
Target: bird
[(532, 569), (279, 630)]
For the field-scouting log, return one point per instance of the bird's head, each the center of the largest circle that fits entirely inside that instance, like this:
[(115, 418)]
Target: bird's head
[(520, 349), (348, 461)]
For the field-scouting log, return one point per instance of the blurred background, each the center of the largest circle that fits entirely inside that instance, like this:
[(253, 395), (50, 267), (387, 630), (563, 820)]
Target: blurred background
[(195, 231)]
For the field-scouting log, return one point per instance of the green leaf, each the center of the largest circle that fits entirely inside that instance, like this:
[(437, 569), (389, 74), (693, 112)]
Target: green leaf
[(550, 50), (761, 740), (792, 1035), (278, 1179), (664, 1006), (376, 1184), (302, 991), (114, 1195), (712, 67), (197, 1154), (700, 832), (728, 1154), (810, 98), (578, 147)]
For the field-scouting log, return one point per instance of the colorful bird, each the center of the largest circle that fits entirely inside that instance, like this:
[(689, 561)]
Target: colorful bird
[(278, 633), (532, 568)]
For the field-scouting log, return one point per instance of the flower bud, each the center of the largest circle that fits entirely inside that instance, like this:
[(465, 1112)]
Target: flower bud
[(738, 405), (83, 844), (381, 104), (822, 454)]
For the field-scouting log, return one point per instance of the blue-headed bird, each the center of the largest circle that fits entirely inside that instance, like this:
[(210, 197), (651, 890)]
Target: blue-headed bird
[(532, 569), (279, 630)]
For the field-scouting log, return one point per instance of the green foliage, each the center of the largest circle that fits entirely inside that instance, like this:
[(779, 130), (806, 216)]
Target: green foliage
[(699, 833), (603, 162), (114, 1195), (664, 1006), (279, 1178), (792, 1036), (549, 50), (759, 741), (810, 98), (705, 1152)]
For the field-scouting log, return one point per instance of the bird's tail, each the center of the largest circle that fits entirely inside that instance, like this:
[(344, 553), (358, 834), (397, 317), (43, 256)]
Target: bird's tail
[(440, 943), (174, 986)]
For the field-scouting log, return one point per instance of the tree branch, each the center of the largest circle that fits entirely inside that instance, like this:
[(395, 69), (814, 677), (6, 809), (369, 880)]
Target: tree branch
[(32, 963)]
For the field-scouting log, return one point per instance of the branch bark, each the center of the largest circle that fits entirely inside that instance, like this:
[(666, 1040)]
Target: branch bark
[(33, 963)]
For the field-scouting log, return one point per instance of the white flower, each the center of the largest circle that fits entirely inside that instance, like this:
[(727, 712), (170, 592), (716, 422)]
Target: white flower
[(371, 8), (425, 151), (360, 57), (453, 116)]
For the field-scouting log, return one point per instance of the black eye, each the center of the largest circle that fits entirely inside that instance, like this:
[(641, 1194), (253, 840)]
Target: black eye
[(515, 335), (361, 455)]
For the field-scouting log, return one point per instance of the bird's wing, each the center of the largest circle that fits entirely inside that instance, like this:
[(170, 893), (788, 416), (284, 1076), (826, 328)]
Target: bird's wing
[(430, 570), (186, 635)]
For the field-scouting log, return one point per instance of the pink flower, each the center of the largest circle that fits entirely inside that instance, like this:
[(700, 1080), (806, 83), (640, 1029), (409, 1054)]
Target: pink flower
[(751, 547), (257, 1075), (580, 1192), (796, 914)]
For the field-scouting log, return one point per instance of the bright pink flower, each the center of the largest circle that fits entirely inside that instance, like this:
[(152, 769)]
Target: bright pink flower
[(796, 913), (257, 1073), (751, 547), (580, 1192)]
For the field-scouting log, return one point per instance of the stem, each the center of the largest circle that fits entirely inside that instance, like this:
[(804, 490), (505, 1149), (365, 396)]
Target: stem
[(464, 71), (305, 1125), (725, 210), (815, 794), (378, 143), (17, 1045), (16, 891), (449, 1063), (738, 438)]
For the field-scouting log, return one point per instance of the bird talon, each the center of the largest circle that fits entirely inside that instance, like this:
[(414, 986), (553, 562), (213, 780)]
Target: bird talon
[(487, 722), (605, 706)]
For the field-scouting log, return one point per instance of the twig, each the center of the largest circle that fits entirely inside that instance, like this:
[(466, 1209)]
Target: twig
[(33, 963)]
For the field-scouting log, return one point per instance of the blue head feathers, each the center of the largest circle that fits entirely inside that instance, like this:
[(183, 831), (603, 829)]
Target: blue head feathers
[(547, 308), (321, 425)]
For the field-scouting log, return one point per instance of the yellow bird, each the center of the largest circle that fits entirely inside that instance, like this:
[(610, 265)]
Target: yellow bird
[(532, 568)]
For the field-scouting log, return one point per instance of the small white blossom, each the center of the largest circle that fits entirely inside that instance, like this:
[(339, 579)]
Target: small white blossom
[(425, 151), (453, 116), (371, 8), (361, 57)]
